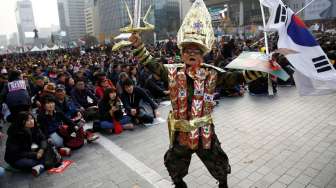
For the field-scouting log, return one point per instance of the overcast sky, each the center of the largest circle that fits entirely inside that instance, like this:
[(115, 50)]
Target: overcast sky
[(45, 14)]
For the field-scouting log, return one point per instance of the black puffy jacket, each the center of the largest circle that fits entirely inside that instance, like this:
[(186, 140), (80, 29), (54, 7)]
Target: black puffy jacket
[(19, 143)]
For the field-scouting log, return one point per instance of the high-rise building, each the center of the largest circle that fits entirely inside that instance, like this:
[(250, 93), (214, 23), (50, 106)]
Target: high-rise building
[(185, 5), (167, 18), (320, 10), (91, 18), (72, 18), (240, 12), (25, 21), (113, 16), (317, 10)]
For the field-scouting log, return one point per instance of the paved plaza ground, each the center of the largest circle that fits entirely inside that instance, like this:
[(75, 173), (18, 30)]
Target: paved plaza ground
[(285, 141)]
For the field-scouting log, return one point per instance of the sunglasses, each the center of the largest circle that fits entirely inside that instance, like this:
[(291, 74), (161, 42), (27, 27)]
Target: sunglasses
[(193, 51)]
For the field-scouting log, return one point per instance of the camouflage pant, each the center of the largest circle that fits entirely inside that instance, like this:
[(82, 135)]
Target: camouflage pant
[(177, 160)]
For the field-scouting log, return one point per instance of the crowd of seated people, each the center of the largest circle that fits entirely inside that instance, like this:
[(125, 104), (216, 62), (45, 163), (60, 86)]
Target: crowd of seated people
[(50, 95)]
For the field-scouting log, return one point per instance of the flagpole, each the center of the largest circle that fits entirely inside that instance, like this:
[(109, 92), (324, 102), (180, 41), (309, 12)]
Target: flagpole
[(264, 23), (298, 12), (270, 88)]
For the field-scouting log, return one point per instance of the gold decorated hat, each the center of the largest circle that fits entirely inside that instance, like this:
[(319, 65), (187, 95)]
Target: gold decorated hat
[(197, 28)]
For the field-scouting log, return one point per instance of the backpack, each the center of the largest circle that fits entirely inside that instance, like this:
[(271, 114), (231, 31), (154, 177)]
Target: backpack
[(52, 158)]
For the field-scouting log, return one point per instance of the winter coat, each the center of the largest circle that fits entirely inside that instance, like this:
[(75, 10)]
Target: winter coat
[(50, 124), (19, 143), (16, 93), (133, 100), (80, 98), (104, 108)]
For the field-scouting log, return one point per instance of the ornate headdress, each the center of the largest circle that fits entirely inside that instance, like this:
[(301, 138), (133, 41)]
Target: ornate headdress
[(196, 28)]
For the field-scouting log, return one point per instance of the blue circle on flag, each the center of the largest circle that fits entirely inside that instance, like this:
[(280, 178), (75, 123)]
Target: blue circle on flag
[(299, 33)]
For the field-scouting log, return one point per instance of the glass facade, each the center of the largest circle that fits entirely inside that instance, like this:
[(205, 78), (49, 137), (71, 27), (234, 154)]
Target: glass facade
[(242, 17), (113, 15), (72, 18), (167, 18)]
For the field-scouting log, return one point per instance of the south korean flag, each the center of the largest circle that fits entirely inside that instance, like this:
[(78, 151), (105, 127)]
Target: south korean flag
[(314, 73)]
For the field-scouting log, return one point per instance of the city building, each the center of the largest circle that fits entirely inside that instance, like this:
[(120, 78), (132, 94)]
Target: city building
[(91, 18), (242, 17), (25, 22), (167, 17), (72, 18), (184, 8), (113, 15), (320, 10)]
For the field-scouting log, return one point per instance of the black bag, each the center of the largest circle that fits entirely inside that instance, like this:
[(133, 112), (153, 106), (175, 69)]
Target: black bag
[(52, 158)]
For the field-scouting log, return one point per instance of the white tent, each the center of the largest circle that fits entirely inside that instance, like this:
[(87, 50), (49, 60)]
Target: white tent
[(35, 49), (45, 48), (123, 36), (55, 47)]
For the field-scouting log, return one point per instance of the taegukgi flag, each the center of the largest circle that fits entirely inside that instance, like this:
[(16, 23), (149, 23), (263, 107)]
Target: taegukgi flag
[(314, 75)]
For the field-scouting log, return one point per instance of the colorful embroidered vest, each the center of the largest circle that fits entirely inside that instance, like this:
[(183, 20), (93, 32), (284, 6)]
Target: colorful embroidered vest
[(202, 103)]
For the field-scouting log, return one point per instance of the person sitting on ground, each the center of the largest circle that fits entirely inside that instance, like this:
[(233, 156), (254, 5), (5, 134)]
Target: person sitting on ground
[(48, 90), (85, 100), (156, 87), (52, 74), (138, 104), (144, 73), (122, 77), (26, 144), (61, 78), (112, 114), (37, 85), (16, 94), (133, 75), (114, 75), (102, 84), (51, 120), (64, 103), (233, 87)]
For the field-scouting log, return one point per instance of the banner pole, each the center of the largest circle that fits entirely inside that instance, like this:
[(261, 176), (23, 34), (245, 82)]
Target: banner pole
[(298, 12), (270, 87)]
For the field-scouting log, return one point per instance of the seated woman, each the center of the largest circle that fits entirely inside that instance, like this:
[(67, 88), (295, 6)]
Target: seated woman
[(112, 113), (102, 84), (26, 144), (157, 87)]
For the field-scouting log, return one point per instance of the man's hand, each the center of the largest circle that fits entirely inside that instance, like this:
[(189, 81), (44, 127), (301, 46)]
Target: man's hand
[(166, 92), (157, 113), (135, 39), (133, 112), (112, 110), (39, 154)]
